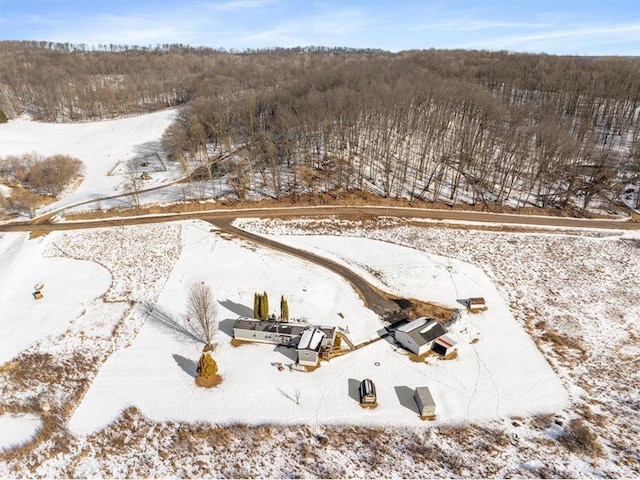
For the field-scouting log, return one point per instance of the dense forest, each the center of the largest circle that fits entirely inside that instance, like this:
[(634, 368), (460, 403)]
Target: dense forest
[(457, 126)]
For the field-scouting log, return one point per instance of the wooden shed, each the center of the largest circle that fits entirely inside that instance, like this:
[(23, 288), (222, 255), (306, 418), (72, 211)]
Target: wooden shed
[(425, 402), (476, 303)]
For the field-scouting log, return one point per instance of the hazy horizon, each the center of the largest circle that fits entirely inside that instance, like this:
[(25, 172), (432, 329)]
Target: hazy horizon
[(586, 28)]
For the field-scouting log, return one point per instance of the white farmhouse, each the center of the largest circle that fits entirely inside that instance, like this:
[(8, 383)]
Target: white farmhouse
[(418, 336)]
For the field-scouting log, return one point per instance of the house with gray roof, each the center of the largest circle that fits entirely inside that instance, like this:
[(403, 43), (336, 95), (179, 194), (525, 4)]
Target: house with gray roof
[(418, 336), (308, 340)]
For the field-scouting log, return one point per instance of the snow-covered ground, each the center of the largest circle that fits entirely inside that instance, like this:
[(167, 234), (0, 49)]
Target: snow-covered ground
[(69, 285), (17, 429), (101, 146), (502, 374), (505, 404)]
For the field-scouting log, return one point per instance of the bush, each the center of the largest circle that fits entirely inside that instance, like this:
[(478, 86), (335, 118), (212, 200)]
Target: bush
[(20, 201), (52, 174), (207, 366), (39, 174), (3, 117), (579, 439)]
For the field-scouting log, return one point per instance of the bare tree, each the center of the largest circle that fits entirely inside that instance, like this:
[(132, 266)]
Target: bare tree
[(134, 180), (203, 310)]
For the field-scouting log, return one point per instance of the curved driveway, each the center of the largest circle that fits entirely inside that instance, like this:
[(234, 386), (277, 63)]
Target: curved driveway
[(371, 297)]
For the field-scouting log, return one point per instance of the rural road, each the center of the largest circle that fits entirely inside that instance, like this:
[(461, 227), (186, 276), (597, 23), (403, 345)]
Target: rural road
[(526, 221)]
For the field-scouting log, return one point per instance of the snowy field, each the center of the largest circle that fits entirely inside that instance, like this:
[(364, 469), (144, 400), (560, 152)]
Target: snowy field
[(69, 285), (102, 147), (502, 374), (526, 368)]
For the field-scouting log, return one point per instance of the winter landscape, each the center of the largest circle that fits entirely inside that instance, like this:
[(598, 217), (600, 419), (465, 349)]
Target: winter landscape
[(94, 363), (317, 262)]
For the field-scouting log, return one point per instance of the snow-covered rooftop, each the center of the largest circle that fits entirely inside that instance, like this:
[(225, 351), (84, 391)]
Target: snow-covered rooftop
[(311, 339), (411, 326)]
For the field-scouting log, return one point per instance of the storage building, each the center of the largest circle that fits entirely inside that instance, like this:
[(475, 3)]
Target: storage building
[(444, 345), (367, 392), (425, 402), (476, 303), (418, 336)]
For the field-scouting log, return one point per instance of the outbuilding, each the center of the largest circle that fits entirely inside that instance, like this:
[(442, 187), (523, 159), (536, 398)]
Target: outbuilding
[(424, 401), (444, 345), (476, 303), (418, 336), (309, 347), (367, 392)]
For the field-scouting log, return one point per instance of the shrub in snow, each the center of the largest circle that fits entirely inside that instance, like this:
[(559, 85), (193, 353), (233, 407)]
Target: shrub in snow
[(261, 306), (579, 439), (207, 366)]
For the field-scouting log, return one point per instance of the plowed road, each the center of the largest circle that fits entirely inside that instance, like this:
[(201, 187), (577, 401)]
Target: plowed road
[(356, 212)]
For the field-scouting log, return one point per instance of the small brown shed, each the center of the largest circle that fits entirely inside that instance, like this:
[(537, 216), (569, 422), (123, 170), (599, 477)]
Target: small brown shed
[(476, 303)]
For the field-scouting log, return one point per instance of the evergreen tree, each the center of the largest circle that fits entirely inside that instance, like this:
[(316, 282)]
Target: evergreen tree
[(3, 117), (284, 309), (264, 306), (256, 305), (207, 366)]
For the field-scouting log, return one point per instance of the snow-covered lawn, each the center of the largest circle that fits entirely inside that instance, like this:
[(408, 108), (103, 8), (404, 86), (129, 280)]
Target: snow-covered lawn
[(502, 374), (101, 146)]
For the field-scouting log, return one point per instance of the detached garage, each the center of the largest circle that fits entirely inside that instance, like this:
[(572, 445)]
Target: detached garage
[(418, 336)]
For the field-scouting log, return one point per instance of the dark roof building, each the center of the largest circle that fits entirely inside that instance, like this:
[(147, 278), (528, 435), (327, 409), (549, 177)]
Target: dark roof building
[(418, 336)]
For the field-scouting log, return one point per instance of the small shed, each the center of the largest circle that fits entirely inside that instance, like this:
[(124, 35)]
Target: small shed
[(367, 392), (476, 303), (444, 345), (425, 402)]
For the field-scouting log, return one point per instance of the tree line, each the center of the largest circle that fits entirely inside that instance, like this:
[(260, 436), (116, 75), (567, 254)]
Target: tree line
[(472, 126)]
